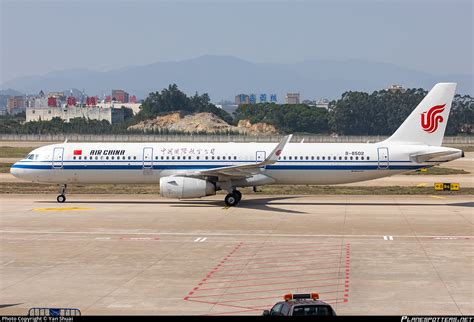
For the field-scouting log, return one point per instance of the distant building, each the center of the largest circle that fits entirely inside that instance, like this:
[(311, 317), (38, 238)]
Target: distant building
[(229, 107), (309, 102), (119, 95), (322, 102), (135, 107), (242, 99), (112, 115), (397, 88), (292, 98), (15, 104)]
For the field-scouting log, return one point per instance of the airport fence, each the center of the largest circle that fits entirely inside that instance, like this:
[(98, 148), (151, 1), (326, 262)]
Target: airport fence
[(460, 140)]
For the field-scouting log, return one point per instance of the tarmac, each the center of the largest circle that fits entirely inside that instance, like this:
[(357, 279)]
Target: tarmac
[(142, 254)]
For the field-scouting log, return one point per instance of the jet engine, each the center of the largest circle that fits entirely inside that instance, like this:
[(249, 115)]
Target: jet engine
[(184, 187)]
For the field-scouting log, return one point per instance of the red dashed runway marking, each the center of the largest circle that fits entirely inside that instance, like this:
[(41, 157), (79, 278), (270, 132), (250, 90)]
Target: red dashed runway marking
[(324, 269)]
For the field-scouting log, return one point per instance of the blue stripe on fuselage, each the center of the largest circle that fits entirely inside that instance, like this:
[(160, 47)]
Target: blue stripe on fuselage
[(202, 167)]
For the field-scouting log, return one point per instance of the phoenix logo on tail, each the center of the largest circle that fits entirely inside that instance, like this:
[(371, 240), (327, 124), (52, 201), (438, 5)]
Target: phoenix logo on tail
[(431, 118)]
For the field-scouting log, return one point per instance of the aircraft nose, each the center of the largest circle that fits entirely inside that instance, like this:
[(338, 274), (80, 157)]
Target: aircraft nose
[(15, 171)]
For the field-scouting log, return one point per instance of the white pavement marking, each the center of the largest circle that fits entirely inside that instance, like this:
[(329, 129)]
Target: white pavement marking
[(216, 234), (200, 239), (388, 237)]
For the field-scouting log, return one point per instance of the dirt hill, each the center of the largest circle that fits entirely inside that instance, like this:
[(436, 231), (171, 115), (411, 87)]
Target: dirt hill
[(201, 122)]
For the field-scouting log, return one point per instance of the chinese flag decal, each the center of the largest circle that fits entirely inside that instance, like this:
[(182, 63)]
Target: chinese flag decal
[(77, 152)]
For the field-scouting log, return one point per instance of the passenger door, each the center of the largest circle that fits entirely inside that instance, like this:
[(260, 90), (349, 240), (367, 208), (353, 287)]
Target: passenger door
[(147, 158), (384, 161), (58, 154)]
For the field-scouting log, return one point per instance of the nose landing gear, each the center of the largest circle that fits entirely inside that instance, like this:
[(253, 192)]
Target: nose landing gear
[(233, 198), (62, 190)]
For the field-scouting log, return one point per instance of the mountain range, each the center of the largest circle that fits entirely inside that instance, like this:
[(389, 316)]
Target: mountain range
[(223, 77)]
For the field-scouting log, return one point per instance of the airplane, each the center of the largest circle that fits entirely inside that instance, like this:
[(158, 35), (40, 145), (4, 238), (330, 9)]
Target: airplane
[(195, 170)]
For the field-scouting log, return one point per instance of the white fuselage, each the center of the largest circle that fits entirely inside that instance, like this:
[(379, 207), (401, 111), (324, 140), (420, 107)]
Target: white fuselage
[(299, 163)]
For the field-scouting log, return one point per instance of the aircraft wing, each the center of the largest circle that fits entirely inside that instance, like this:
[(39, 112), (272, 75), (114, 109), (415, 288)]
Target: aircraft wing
[(246, 170)]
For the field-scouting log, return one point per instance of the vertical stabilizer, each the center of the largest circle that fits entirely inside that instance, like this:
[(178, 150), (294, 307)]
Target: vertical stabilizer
[(427, 123)]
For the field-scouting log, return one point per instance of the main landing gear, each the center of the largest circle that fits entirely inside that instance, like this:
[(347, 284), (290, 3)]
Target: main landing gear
[(233, 198), (62, 190)]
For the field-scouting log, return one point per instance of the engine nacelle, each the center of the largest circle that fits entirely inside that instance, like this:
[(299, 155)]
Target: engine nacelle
[(184, 187)]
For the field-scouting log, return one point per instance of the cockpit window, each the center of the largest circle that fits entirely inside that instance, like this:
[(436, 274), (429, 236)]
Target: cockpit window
[(31, 157)]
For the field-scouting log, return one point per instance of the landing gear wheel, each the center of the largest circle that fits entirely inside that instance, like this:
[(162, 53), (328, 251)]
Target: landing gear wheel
[(238, 194), (231, 199), (61, 198)]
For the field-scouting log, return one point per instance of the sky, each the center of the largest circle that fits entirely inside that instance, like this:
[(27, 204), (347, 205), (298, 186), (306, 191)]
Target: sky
[(37, 37)]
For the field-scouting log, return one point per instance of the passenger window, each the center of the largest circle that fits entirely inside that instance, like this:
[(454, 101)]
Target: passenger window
[(301, 157), (223, 158), (218, 158), (362, 158), (307, 158), (96, 157), (357, 158), (334, 158), (312, 157), (129, 157), (197, 158), (289, 158), (284, 158), (177, 157), (368, 158), (212, 157), (162, 157), (107, 157), (167, 157), (172, 158), (340, 158), (74, 158), (317, 158), (80, 157), (134, 157), (324, 158), (189, 158), (345, 158), (207, 157), (352, 158)]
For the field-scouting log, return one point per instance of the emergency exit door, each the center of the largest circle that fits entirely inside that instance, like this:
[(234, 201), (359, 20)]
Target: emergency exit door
[(147, 158)]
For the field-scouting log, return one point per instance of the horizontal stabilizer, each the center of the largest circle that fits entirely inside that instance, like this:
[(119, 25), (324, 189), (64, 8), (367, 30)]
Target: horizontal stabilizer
[(441, 156)]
